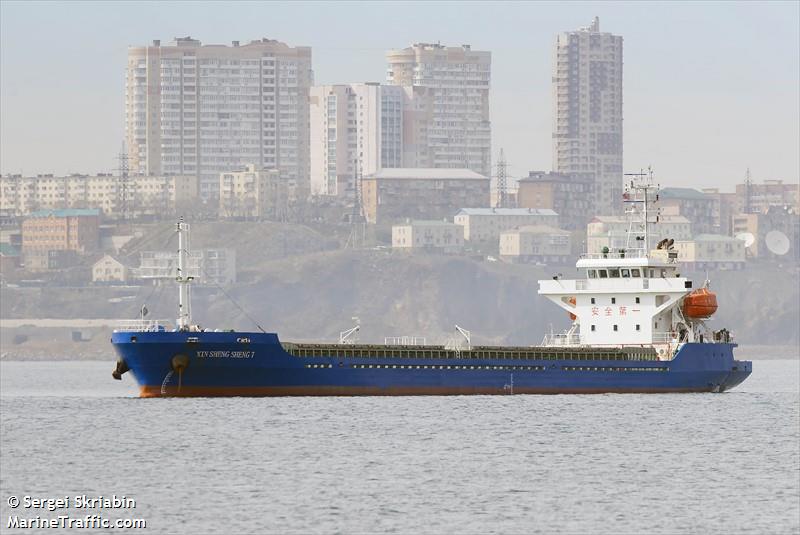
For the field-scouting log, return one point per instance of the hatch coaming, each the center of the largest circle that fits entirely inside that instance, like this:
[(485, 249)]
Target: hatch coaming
[(483, 353)]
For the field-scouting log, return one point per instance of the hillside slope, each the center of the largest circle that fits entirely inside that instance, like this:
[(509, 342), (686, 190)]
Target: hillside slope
[(314, 296)]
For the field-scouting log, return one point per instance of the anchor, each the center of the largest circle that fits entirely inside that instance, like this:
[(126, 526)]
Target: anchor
[(121, 368), (178, 364)]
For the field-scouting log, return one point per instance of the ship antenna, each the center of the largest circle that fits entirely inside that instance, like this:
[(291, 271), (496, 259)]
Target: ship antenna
[(646, 225), (641, 184), (183, 280)]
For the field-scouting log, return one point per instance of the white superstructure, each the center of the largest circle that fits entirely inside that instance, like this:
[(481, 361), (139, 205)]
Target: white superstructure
[(631, 296)]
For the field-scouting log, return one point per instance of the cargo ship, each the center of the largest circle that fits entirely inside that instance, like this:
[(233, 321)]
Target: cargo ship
[(637, 326)]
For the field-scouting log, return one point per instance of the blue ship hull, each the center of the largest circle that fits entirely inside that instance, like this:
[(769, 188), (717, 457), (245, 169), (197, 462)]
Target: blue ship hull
[(257, 364)]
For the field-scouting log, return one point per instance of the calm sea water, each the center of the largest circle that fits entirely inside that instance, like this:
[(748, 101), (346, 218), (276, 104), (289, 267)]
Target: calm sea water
[(680, 463)]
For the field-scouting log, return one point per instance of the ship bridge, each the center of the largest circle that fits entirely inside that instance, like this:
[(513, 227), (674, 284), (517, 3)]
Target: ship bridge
[(620, 301), (633, 296)]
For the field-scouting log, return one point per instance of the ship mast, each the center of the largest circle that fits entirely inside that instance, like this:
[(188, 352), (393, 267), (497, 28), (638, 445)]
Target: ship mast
[(641, 191), (183, 280)]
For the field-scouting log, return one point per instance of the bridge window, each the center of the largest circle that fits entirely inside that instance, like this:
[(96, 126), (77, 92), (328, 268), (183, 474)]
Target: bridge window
[(613, 273), (626, 273), (592, 274), (635, 273), (602, 273)]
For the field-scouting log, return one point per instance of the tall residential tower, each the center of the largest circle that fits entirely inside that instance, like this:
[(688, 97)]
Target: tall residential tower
[(355, 128), (446, 113), (194, 109), (587, 130)]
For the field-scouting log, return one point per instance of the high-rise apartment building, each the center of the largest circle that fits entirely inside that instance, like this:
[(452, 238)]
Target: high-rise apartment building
[(206, 109), (447, 121), (355, 128), (587, 130)]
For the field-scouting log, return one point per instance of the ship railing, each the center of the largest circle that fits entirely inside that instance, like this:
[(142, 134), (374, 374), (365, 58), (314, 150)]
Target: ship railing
[(628, 253), (404, 341), (143, 326), (714, 337), (665, 337), (562, 339), (664, 255)]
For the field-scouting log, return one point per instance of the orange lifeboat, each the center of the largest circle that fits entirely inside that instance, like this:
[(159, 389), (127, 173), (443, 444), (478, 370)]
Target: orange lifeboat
[(701, 303), (572, 302)]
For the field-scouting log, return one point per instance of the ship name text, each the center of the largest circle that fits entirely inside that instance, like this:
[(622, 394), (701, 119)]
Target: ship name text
[(226, 354)]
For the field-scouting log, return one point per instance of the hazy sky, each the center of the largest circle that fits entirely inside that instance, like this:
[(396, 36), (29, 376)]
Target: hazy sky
[(709, 88)]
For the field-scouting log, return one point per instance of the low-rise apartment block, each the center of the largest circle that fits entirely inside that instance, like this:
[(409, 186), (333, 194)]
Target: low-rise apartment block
[(486, 224), (61, 230), (711, 251), (394, 195), (114, 196), (440, 236), (570, 196), (759, 197), (253, 194), (535, 243), (53, 239), (700, 209)]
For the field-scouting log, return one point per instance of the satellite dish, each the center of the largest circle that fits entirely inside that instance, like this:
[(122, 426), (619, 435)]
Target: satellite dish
[(777, 242), (747, 238)]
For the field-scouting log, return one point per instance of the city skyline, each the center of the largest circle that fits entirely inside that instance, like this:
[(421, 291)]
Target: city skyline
[(697, 125)]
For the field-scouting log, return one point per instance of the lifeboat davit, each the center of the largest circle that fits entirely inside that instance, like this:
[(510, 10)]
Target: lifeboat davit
[(572, 302), (701, 303)]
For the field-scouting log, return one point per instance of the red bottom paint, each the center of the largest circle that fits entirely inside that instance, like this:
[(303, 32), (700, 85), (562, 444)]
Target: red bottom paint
[(279, 391)]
